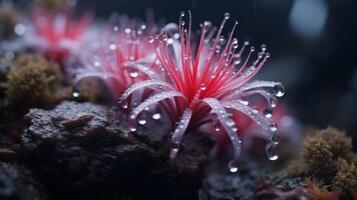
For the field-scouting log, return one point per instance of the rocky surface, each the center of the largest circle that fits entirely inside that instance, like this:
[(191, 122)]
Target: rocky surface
[(81, 150), (19, 183)]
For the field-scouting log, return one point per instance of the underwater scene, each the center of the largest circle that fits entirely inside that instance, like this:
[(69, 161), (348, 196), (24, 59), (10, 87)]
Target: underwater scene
[(178, 100)]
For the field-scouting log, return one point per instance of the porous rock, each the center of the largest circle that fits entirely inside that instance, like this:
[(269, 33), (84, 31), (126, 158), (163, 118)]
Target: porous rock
[(82, 150)]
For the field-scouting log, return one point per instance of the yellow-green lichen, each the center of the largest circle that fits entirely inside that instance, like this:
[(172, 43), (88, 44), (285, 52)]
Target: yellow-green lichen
[(326, 157), (32, 81)]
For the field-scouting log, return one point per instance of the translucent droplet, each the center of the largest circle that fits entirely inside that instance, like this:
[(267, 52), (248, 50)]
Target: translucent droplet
[(279, 90), (156, 116), (272, 152), (134, 74), (151, 39), (267, 113), (116, 28), (112, 46), (127, 30), (203, 87), (275, 139), (273, 127), (132, 129), (142, 121), (124, 105), (164, 37), (75, 94), (264, 47), (233, 166), (97, 64), (226, 15), (182, 14), (230, 122), (20, 29), (273, 102)]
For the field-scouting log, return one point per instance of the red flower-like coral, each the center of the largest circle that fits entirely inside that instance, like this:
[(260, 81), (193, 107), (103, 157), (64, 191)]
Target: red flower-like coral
[(57, 34), (207, 85), (122, 57)]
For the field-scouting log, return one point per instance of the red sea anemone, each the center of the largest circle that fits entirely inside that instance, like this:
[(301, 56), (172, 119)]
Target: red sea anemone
[(57, 34), (122, 57), (207, 84)]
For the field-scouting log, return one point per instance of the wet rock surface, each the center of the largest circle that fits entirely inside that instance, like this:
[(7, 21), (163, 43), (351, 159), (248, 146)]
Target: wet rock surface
[(81, 150), (19, 183)]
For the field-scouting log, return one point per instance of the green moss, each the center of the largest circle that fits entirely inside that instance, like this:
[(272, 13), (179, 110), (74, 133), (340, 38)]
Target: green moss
[(346, 176), (326, 157), (340, 144), (32, 82), (317, 158)]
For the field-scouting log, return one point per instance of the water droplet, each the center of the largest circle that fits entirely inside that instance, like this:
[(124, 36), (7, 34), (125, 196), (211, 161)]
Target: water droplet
[(143, 26), (142, 121), (273, 127), (127, 30), (252, 49), (226, 15), (233, 166), (132, 129), (279, 90), (230, 122), (97, 64), (112, 46), (75, 94), (275, 139), (182, 14), (267, 113), (156, 116), (273, 102), (134, 74), (124, 105), (116, 28), (272, 152), (164, 37), (20, 29), (203, 87), (264, 47), (151, 39)]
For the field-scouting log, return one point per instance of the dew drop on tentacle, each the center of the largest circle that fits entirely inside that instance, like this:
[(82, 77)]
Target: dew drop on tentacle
[(203, 87), (275, 139), (279, 90), (233, 166), (273, 127), (268, 113), (142, 121), (151, 39), (76, 94), (272, 152), (134, 74), (156, 116), (226, 15)]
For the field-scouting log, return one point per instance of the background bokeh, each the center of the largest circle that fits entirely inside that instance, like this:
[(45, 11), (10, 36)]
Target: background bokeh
[(313, 45)]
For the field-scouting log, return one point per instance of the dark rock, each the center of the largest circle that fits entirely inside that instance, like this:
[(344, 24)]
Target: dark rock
[(18, 183), (83, 150), (219, 184)]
